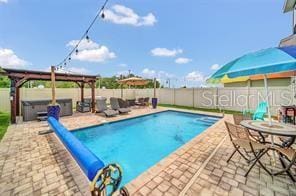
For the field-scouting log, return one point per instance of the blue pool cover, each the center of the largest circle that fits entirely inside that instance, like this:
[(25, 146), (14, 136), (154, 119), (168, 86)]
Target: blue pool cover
[(88, 162)]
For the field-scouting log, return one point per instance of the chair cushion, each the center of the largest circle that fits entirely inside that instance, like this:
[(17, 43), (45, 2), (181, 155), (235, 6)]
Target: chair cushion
[(124, 110), (109, 112)]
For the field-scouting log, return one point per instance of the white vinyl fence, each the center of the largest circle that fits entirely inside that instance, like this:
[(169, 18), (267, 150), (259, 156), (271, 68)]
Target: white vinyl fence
[(229, 98)]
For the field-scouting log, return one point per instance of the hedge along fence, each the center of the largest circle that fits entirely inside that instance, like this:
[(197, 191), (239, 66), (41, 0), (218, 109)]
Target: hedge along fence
[(228, 98)]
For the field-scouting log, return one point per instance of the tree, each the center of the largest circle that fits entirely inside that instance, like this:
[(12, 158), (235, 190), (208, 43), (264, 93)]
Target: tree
[(4, 82)]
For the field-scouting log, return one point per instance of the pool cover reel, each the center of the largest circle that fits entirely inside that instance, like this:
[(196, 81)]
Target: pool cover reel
[(100, 175)]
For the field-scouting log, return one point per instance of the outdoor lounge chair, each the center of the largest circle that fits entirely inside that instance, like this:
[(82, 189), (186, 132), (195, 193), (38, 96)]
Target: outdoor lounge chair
[(122, 103), (246, 147), (260, 111), (146, 101), (237, 118), (101, 107), (140, 102), (115, 106)]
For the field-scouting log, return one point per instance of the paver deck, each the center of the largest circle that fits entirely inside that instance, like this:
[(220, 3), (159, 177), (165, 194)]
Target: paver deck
[(32, 164)]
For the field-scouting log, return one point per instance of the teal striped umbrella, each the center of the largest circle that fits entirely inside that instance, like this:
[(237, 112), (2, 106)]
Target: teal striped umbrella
[(262, 62)]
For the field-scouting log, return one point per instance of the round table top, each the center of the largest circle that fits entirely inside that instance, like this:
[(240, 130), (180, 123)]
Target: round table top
[(276, 128)]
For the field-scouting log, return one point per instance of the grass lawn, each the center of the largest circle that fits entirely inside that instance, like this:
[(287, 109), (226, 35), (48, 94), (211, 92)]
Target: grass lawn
[(4, 122), (199, 109)]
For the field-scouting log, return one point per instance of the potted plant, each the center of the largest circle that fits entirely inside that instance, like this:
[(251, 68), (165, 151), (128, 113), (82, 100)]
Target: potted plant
[(154, 102), (53, 110)]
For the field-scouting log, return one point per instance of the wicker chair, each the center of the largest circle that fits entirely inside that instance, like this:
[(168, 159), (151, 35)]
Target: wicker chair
[(249, 149), (237, 118)]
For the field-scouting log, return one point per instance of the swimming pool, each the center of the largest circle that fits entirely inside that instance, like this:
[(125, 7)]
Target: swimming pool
[(139, 143)]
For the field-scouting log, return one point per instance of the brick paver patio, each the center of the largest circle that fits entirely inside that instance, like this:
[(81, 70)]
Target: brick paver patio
[(32, 164)]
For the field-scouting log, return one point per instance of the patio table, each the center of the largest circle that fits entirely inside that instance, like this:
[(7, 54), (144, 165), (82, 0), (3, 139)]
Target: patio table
[(276, 129)]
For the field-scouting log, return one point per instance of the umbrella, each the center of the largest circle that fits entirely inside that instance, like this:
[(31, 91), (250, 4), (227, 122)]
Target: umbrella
[(133, 81), (262, 62), (225, 79)]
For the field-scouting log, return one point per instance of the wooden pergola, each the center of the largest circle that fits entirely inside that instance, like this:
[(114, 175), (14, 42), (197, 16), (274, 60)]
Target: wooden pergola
[(19, 77)]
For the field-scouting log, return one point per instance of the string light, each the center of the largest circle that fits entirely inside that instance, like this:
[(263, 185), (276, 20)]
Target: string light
[(101, 14), (87, 38)]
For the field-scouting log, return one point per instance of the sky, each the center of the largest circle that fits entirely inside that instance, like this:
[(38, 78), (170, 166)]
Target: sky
[(184, 41)]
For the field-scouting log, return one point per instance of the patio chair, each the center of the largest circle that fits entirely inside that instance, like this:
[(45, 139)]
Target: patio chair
[(245, 146), (140, 102), (287, 159), (122, 103), (237, 118), (101, 107), (146, 101), (131, 102), (115, 106), (260, 111)]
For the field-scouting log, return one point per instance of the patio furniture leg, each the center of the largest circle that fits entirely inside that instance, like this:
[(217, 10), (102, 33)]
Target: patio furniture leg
[(256, 160), (248, 160), (231, 155), (287, 167), (237, 150)]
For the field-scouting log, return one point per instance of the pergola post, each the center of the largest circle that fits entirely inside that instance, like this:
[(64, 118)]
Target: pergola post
[(13, 101), (93, 95), (53, 86), (17, 100), (82, 92)]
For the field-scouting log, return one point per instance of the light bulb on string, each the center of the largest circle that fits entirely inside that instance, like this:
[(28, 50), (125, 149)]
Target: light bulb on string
[(103, 15), (87, 38), (76, 51), (69, 58)]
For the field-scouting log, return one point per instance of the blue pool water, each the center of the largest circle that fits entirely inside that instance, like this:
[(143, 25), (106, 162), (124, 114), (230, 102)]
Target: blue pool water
[(139, 143)]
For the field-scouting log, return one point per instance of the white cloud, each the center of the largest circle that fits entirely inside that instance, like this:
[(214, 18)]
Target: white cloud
[(182, 60), (3, 1), (91, 51), (215, 67), (120, 14), (195, 76), (165, 52), (10, 60), (150, 73), (78, 70)]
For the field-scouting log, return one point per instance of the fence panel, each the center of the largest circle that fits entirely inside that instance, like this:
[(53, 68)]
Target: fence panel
[(230, 98), (166, 96), (184, 97), (205, 98), (4, 100)]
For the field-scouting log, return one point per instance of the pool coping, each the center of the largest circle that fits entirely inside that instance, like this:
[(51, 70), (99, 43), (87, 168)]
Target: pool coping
[(142, 115)]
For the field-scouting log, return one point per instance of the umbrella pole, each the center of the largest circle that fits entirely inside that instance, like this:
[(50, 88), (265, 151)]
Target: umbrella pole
[(267, 99), (154, 92), (121, 91)]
